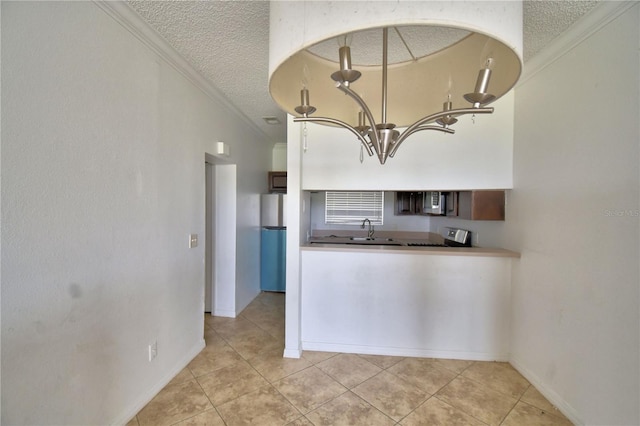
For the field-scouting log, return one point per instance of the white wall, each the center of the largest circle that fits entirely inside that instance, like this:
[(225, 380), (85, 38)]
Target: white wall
[(298, 222), (406, 304), (102, 181), (279, 157), (575, 219), (478, 156)]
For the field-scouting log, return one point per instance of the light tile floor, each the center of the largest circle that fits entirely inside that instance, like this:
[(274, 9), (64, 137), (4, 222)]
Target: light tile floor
[(241, 378)]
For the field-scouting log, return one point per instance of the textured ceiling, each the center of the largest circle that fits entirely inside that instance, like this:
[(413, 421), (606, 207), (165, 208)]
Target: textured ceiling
[(545, 20), (228, 43), (366, 45)]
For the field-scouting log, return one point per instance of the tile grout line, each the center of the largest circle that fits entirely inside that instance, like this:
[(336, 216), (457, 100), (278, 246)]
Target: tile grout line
[(270, 309), (514, 405), (491, 389), (518, 399), (258, 326), (269, 382), (207, 395), (555, 416), (400, 378), (434, 395), (347, 389), (458, 408), (242, 358)]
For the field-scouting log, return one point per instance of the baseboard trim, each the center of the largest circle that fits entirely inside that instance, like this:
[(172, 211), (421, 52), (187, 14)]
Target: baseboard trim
[(563, 406), (292, 353), (147, 396), (408, 352), (224, 313), (247, 301)]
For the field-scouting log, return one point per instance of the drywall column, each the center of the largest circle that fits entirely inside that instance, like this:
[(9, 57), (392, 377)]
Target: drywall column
[(574, 217), (295, 202)]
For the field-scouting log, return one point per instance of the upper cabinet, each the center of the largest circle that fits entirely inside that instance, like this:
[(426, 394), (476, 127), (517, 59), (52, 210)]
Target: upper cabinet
[(277, 181), (408, 202), (481, 205), (469, 205)]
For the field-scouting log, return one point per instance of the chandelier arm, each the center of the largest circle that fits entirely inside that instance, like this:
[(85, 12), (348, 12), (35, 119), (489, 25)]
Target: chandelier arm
[(367, 111), (419, 129), (460, 111), (339, 123)]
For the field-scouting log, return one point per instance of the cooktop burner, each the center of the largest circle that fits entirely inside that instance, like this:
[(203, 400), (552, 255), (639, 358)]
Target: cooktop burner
[(453, 237)]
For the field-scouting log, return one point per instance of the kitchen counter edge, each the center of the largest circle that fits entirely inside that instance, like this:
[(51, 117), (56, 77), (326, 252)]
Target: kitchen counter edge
[(440, 251)]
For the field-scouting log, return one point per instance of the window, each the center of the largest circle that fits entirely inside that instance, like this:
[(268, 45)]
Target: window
[(351, 208)]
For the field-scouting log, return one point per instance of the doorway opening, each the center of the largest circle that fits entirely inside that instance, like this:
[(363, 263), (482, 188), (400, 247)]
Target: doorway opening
[(220, 237), (210, 237)]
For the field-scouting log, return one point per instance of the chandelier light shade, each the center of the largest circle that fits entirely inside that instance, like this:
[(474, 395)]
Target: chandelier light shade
[(374, 68)]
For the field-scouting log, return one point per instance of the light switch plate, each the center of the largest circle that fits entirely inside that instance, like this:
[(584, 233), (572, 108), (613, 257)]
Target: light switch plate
[(193, 240), (153, 350)]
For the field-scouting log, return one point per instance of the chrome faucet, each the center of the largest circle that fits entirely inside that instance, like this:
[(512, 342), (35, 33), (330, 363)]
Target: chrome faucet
[(370, 232)]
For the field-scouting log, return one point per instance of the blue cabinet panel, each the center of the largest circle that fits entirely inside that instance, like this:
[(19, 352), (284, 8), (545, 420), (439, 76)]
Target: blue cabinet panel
[(273, 260)]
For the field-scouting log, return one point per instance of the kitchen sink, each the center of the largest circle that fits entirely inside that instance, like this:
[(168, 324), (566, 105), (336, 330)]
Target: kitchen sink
[(373, 241), (368, 241)]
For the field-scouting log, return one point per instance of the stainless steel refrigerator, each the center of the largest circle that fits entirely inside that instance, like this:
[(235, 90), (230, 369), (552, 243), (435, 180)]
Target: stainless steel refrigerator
[(273, 256)]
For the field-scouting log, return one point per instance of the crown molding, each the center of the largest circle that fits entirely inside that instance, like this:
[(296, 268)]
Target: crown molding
[(585, 27), (122, 13)]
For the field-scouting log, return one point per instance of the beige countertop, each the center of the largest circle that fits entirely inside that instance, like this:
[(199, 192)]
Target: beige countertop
[(397, 243)]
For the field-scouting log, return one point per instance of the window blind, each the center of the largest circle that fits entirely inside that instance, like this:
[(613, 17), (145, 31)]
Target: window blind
[(352, 207)]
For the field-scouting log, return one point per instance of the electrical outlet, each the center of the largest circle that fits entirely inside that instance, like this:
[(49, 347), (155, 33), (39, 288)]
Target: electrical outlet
[(153, 350)]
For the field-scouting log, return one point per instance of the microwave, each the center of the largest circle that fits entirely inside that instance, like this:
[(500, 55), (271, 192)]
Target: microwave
[(433, 203), (277, 182)]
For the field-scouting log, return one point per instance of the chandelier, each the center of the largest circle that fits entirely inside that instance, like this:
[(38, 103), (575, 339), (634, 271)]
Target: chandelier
[(434, 66)]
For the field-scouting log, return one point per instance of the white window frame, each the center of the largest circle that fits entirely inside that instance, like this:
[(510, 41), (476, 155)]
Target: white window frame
[(352, 207)]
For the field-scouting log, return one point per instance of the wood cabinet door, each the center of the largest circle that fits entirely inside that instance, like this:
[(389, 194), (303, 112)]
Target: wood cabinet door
[(408, 203), (481, 205), (451, 203)]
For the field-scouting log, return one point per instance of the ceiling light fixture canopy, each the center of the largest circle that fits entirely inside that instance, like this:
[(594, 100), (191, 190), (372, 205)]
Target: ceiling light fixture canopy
[(418, 67)]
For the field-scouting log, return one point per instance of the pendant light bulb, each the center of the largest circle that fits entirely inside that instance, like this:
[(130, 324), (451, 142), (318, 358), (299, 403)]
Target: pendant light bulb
[(346, 74), (480, 96), (304, 97), (447, 120), (489, 63), (305, 108), (483, 77), (305, 76), (344, 40), (362, 126)]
